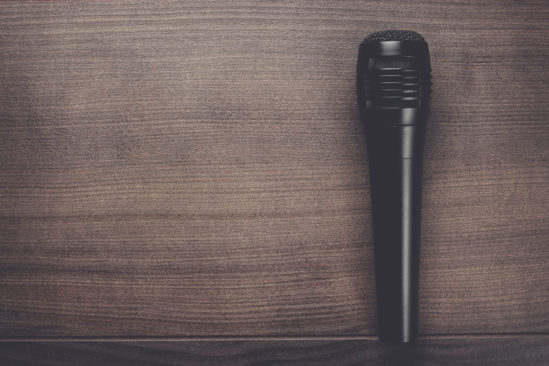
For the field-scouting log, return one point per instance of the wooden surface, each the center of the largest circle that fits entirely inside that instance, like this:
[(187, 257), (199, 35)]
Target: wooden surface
[(182, 169), (430, 352)]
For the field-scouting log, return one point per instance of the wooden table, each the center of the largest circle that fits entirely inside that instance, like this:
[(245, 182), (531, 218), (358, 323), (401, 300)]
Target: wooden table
[(186, 182)]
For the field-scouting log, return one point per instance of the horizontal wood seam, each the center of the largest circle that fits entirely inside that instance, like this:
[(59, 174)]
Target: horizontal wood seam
[(266, 338)]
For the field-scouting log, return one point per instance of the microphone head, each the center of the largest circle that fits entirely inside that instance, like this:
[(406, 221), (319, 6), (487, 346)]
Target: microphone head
[(394, 78), (394, 35)]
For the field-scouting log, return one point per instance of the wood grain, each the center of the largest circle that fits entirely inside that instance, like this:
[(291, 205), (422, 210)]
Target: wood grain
[(198, 168), (530, 351)]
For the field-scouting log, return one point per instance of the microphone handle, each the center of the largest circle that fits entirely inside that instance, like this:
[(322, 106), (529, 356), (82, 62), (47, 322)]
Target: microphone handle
[(395, 156)]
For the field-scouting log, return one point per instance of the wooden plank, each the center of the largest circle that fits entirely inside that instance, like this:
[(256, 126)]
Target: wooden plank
[(526, 351), (198, 168)]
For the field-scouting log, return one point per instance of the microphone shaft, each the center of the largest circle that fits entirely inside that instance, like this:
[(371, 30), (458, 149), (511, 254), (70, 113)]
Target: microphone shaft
[(395, 155)]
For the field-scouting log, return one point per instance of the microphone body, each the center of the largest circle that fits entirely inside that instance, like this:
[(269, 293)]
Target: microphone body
[(394, 90)]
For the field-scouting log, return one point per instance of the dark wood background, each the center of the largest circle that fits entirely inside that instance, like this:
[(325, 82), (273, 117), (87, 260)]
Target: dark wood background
[(188, 180)]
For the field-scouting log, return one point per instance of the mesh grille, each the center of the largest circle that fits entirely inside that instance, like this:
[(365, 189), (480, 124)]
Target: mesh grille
[(394, 35)]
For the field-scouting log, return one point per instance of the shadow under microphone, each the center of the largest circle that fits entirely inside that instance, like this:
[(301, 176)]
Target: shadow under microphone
[(394, 92)]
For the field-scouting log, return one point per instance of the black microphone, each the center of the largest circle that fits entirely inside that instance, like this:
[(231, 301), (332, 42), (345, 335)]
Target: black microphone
[(394, 92)]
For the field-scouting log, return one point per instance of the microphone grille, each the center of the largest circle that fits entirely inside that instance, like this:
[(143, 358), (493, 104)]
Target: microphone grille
[(394, 35), (392, 88)]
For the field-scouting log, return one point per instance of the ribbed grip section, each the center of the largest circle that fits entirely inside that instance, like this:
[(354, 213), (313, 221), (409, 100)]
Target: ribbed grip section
[(392, 87)]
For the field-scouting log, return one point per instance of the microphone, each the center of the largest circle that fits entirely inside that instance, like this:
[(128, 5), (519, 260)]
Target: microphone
[(394, 92)]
